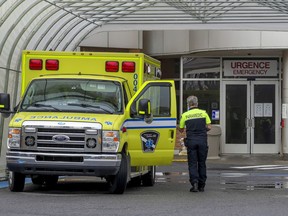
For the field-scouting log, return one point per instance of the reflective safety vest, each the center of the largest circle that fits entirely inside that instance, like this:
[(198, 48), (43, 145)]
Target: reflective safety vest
[(195, 121)]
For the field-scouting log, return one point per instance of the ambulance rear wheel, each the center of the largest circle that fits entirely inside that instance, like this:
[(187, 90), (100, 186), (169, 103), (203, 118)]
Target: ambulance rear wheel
[(16, 181), (149, 178), (118, 182), (37, 179)]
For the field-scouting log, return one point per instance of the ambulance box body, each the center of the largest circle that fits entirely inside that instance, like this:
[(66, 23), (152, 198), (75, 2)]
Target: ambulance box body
[(90, 114)]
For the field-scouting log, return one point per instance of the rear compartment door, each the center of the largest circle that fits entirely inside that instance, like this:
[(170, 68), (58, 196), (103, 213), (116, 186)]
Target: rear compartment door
[(151, 138)]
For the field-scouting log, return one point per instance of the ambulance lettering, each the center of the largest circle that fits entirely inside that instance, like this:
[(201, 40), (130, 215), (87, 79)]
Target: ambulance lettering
[(149, 140), (64, 118), (135, 82)]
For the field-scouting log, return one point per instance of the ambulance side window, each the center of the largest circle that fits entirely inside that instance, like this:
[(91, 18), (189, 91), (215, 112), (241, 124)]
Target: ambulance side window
[(159, 96)]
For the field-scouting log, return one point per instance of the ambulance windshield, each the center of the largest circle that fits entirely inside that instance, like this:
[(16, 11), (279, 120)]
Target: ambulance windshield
[(73, 95)]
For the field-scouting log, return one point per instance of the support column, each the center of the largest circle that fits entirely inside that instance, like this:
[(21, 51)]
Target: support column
[(284, 144)]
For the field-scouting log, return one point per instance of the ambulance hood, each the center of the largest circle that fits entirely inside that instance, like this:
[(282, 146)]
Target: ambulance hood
[(107, 121)]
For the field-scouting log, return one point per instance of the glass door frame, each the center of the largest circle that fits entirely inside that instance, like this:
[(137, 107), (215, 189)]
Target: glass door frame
[(249, 147), (233, 147), (267, 148)]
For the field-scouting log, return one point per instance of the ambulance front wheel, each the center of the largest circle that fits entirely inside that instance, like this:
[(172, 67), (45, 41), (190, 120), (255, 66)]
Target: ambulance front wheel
[(118, 182), (16, 181), (149, 178), (37, 179)]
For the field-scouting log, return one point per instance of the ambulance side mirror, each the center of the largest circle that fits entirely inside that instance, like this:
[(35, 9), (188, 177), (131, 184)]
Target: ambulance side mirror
[(5, 105), (144, 109)]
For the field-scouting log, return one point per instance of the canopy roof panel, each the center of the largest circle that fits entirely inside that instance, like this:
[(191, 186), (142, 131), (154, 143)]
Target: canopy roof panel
[(63, 24)]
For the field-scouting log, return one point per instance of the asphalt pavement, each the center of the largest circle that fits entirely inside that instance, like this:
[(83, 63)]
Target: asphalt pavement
[(222, 162), (236, 185)]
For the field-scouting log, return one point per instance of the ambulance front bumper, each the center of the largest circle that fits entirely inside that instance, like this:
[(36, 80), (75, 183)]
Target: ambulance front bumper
[(63, 164)]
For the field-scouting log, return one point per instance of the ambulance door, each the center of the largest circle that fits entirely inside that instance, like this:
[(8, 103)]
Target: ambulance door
[(151, 126)]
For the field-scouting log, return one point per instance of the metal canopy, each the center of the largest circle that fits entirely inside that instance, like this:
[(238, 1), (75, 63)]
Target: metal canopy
[(173, 11), (63, 24)]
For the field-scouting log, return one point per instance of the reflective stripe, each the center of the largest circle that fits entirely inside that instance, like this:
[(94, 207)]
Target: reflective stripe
[(1, 106), (156, 123)]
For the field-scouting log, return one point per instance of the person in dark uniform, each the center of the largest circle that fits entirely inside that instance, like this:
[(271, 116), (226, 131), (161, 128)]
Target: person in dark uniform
[(197, 123)]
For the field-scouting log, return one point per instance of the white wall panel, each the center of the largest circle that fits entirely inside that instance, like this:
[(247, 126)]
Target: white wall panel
[(234, 39), (125, 39), (153, 42), (176, 41), (97, 40), (274, 39), (199, 40)]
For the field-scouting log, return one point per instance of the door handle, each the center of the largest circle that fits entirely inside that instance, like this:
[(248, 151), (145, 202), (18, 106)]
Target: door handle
[(246, 122), (172, 134), (253, 122)]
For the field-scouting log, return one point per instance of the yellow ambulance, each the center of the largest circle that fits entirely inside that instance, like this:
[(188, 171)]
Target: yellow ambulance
[(107, 115)]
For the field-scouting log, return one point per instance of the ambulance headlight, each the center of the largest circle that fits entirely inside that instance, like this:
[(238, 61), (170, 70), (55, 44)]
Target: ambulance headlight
[(14, 137), (111, 141)]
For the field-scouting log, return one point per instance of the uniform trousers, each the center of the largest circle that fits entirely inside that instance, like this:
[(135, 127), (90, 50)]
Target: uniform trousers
[(197, 151)]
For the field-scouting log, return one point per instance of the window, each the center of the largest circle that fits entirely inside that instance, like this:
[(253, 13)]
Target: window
[(201, 77), (159, 96), (74, 95)]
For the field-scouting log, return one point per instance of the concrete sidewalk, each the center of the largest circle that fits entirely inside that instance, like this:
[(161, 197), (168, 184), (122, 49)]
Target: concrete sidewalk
[(240, 160), (2, 167)]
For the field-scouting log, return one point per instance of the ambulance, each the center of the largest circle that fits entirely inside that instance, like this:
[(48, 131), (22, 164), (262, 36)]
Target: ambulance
[(107, 115)]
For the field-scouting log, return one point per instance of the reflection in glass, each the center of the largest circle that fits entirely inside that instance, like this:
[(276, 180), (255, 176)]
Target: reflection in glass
[(236, 114), (209, 98), (265, 124), (201, 68)]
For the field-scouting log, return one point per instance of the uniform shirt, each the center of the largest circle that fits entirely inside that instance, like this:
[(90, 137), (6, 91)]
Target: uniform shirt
[(195, 121)]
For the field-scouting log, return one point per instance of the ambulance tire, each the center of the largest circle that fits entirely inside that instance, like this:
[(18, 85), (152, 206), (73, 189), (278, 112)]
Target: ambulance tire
[(50, 180), (148, 179), (16, 181), (135, 182), (118, 182), (37, 179)]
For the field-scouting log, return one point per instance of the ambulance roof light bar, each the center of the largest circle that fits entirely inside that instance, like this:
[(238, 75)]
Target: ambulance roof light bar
[(52, 64), (35, 64), (128, 66), (112, 66)]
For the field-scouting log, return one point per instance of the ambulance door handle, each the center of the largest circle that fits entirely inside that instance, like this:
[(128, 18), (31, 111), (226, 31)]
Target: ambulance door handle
[(172, 134), (253, 123)]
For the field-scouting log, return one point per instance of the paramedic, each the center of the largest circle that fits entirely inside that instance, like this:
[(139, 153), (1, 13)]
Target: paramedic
[(197, 123)]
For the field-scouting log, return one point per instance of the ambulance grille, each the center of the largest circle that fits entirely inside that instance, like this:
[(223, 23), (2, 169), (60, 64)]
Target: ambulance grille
[(76, 138)]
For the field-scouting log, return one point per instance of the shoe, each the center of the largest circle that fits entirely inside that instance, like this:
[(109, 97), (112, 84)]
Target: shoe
[(194, 187), (201, 189)]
